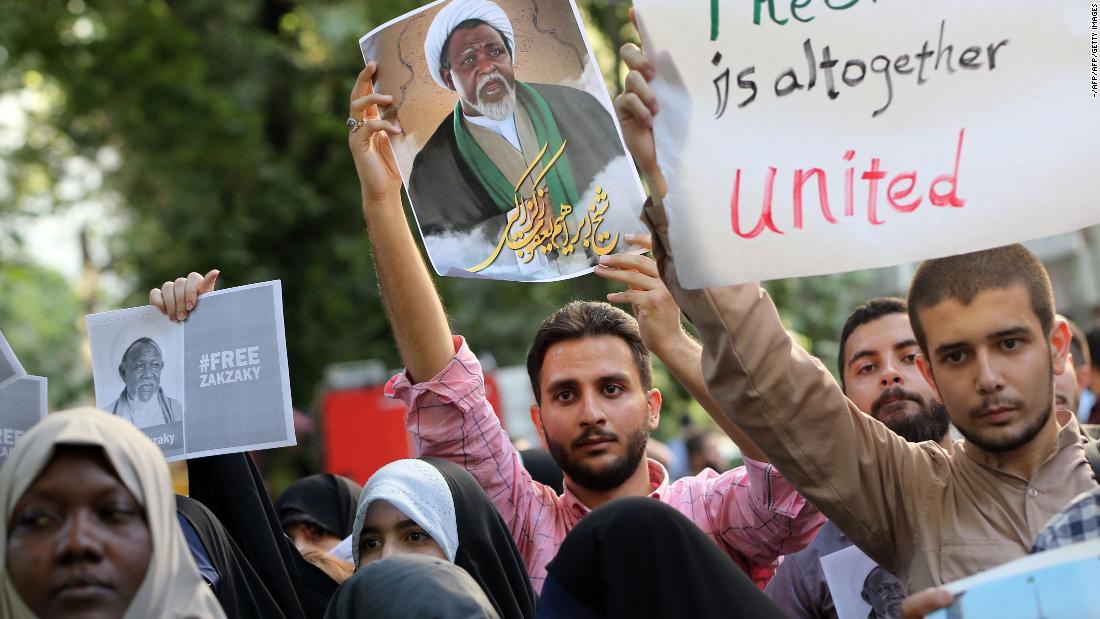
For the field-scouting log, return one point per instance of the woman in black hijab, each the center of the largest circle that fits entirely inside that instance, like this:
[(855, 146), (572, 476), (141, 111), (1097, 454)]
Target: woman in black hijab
[(483, 545), (238, 587), (410, 587), (317, 511), (638, 558)]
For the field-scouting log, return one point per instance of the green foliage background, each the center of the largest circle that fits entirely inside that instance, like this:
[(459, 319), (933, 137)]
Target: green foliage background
[(217, 127)]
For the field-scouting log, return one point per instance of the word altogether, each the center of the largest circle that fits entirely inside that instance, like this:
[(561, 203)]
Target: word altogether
[(854, 71), (238, 365), (943, 191), (532, 228), (8, 438)]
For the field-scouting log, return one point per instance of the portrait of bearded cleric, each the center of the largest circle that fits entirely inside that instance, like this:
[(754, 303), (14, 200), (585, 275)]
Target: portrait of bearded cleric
[(142, 400), (506, 123)]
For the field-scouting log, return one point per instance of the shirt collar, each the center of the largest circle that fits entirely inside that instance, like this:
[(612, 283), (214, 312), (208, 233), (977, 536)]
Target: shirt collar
[(658, 482)]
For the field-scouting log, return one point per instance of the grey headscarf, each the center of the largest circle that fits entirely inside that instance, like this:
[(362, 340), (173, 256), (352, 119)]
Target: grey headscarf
[(410, 587)]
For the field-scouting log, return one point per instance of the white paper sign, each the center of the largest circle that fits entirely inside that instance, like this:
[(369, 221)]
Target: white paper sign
[(818, 136), (10, 368), (216, 383), (845, 572), (22, 399)]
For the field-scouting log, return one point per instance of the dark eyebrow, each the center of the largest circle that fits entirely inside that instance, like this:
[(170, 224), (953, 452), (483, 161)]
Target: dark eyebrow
[(407, 524), (1009, 332), (905, 343), (561, 384), (861, 354), (618, 377), (950, 347)]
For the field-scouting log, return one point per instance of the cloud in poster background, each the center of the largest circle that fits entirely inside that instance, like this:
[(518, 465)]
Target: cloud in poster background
[(457, 251)]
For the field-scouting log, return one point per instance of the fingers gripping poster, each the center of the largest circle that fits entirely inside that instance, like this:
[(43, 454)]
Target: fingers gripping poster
[(510, 153), (802, 137)]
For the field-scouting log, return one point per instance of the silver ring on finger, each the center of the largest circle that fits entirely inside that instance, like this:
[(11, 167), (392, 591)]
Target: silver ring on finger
[(354, 124)]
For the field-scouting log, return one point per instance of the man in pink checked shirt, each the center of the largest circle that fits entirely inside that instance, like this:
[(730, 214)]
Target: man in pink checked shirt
[(595, 403)]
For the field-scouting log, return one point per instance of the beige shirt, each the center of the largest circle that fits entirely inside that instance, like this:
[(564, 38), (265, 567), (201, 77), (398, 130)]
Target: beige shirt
[(926, 514)]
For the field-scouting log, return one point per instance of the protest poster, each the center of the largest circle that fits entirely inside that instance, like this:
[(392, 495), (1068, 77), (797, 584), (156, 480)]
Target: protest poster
[(10, 368), (859, 587), (22, 399), (1056, 584), (215, 383), (818, 136), (510, 153)]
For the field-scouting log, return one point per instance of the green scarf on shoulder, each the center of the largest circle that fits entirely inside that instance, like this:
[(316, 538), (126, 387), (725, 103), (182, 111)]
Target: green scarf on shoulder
[(502, 190)]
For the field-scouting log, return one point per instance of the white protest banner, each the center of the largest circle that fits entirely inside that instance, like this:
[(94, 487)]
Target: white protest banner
[(802, 137), (216, 383)]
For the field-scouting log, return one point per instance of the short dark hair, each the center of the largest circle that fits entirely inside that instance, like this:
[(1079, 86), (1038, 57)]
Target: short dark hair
[(1078, 345), (868, 312), (963, 277), (584, 319), (1093, 339), (467, 25), (696, 442)]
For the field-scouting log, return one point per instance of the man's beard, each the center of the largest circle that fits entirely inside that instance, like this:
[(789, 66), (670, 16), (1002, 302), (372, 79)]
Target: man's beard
[(497, 111), (930, 423), (611, 476), (1011, 443)]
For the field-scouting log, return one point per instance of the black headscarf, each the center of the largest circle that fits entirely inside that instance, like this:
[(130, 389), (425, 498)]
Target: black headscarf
[(240, 590), (486, 549), (232, 488), (410, 587), (324, 500), (638, 558)]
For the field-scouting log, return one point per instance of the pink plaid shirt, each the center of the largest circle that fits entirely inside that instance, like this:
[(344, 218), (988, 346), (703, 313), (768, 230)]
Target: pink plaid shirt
[(751, 512)]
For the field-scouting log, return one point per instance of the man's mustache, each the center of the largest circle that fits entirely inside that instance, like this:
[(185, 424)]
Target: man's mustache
[(894, 394), (595, 432), (995, 402)]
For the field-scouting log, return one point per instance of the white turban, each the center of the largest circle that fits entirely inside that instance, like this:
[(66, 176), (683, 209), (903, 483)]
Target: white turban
[(454, 14)]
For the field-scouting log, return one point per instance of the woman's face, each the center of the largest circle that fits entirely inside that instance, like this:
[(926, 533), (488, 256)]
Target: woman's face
[(78, 544), (311, 538), (387, 531)]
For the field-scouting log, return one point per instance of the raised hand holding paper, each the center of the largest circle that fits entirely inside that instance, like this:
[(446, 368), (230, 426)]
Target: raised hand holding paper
[(513, 162), (811, 137), (217, 383)]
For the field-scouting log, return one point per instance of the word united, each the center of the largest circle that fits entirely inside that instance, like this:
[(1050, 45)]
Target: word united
[(229, 366)]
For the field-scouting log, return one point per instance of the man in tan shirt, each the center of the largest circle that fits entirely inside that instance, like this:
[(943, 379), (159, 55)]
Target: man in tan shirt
[(985, 324)]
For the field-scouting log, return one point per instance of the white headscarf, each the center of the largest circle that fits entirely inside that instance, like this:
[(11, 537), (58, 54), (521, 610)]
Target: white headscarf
[(454, 14), (418, 490), (172, 586)]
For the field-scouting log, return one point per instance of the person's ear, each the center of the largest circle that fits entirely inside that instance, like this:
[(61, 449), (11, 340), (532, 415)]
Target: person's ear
[(925, 368), (536, 418), (653, 401), (447, 79), (121, 372), (1060, 338)]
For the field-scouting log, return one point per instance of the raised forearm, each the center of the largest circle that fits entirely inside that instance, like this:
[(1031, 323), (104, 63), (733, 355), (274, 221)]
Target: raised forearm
[(412, 304), (683, 356)]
